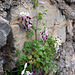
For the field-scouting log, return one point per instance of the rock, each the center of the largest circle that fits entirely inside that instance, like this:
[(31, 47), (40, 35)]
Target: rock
[(4, 31), (67, 10), (69, 27), (10, 65), (19, 36), (68, 37), (1, 65), (53, 19), (1, 70), (1, 6), (74, 32), (4, 5), (2, 12), (68, 60), (61, 73), (74, 46), (70, 1)]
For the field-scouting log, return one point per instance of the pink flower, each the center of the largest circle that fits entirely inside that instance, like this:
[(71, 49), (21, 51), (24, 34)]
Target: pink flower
[(56, 51), (57, 44), (29, 73), (26, 20), (44, 35), (28, 17)]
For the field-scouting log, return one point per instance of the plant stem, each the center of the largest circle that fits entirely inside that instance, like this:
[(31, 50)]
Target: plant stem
[(35, 34), (37, 21)]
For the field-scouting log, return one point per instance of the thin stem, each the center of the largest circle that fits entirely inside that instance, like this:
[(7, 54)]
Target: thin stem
[(37, 21), (36, 34)]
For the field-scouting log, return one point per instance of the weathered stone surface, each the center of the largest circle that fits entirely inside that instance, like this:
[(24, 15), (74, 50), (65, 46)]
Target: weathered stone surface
[(70, 27), (70, 0), (67, 58), (1, 66), (74, 32), (1, 70), (65, 8), (19, 36), (5, 6), (4, 31), (54, 21)]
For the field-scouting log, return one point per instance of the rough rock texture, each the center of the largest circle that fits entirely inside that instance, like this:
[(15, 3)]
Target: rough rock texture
[(70, 1), (7, 53), (65, 8), (60, 20), (67, 57), (54, 21), (5, 6), (4, 31), (69, 27), (19, 36), (74, 33), (6, 46)]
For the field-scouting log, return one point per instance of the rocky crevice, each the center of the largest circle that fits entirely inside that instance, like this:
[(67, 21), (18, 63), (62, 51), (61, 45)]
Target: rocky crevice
[(67, 57), (7, 50)]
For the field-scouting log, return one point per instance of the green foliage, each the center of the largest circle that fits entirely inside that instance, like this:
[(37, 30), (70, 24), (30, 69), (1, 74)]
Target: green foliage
[(36, 53), (29, 34), (43, 23), (9, 72), (35, 3), (38, 28), (18, 52), (5, 73), (33, 27), (40, 15), (40, 55)]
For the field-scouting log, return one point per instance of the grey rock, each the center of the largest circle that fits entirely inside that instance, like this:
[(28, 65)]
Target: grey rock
[(70, 1), (68, 37), (61, 73), (74, 46), (1, 70), (65, 8), (10, 65), (3, 14), (4, 31), (6, 5), (67, 66)]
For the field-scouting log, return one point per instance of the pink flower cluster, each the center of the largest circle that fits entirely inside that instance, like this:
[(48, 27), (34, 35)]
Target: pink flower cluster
[(44, 35), (29, 73), (26, 20), (57, 44)]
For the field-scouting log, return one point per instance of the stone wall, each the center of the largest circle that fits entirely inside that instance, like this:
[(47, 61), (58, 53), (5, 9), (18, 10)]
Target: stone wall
[(59, 19)]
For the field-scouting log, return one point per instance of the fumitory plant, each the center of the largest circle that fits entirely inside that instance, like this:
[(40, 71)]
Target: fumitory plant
[(38, 53)]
